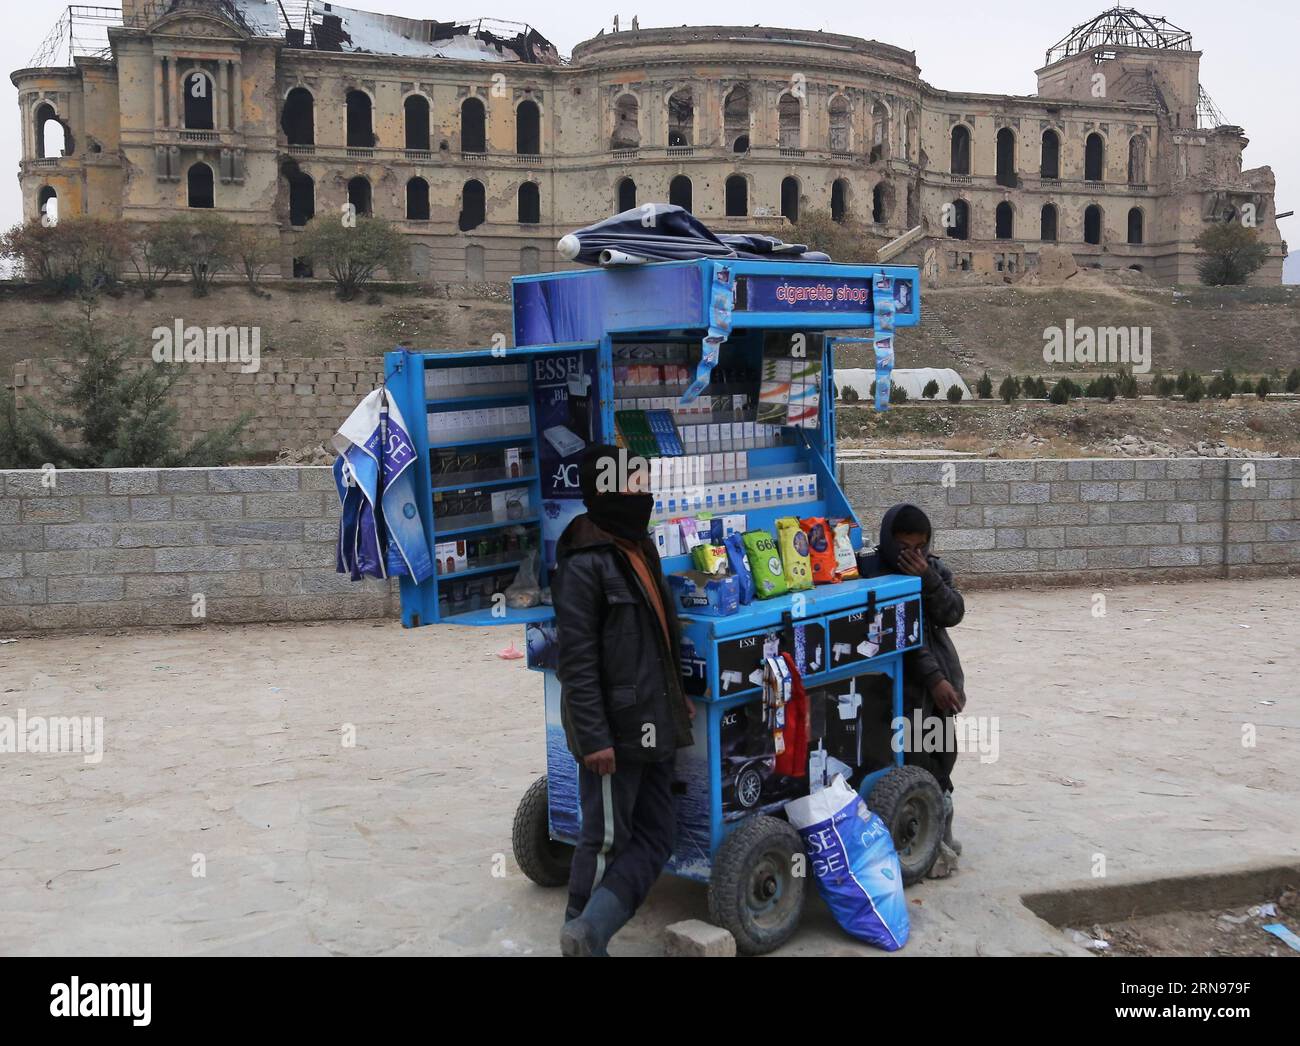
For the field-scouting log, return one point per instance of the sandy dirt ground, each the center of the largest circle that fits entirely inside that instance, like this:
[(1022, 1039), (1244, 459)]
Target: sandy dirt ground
[(1120, 738)]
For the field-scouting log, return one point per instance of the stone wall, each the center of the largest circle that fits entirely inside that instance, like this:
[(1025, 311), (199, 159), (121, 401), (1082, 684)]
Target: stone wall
[(130, 547), (1087, 520), (135, 547)]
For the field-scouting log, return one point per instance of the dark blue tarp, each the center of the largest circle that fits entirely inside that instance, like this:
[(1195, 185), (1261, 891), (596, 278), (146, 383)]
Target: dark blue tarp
[(665, 232)]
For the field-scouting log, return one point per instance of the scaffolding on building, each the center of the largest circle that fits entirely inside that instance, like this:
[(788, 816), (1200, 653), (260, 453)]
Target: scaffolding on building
[(1121, 27)]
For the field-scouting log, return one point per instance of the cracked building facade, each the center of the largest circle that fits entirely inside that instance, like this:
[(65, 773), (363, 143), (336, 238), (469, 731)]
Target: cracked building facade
[(485, 145)]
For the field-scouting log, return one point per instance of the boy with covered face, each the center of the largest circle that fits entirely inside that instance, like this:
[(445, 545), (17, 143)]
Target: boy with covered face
[(933, 681)]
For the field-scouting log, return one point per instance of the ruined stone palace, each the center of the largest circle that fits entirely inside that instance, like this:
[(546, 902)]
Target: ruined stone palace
[(485, 145)]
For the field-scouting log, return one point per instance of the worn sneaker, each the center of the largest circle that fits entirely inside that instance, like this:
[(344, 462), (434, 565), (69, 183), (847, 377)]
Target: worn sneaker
[(948, 840)]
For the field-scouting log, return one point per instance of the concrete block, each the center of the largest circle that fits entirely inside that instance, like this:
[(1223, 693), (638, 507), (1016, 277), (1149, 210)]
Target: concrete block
[(1161, 490), (1078, 469), (1048, 471), (1011, 537), (200, 558), (105, 510), (1069, 515), (1106, 469), (1045, 537), (209, 506), (1150, 534), (1010, 515), (67, 483), (1098, 492), (1201, 533), (50, 510), (159, 535), (283, 506), (957, 539), (77, 535), (1132, 490), (1116, 558), (151, 508), (133, 481), (1030, 493), (1149, 468), (1174, 556), (990, 493), (253, 480), (264, 532), (22, 591), (85, 589), (183, 481), (698, 939)]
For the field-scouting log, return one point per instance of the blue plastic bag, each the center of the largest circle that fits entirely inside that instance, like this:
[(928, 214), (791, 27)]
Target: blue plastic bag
[(854, 864)]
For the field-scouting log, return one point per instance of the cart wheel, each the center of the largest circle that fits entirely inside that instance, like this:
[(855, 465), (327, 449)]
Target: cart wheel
[(909, 801), (754, 892), (542, 859)]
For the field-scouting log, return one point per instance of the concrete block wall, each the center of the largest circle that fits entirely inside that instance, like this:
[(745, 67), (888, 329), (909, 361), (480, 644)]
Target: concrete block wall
[(134, 547), (295, 402), (1080, 521)]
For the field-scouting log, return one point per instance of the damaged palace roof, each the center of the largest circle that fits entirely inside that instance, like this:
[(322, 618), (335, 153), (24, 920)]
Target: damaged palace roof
[(335, 28)]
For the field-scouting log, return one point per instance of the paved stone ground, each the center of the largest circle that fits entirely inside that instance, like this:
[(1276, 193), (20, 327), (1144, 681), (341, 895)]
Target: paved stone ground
[(1119, 735)]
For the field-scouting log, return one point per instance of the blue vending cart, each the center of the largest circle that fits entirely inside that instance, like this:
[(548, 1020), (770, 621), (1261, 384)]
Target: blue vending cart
[(726, 368)]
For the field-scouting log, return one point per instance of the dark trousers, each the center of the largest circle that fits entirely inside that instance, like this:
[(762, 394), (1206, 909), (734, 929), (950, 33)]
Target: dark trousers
[(939, 763), (628, 822)]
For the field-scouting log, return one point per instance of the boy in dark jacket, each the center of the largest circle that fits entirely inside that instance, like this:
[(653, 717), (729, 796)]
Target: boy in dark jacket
[(933, 680), (624, 709)]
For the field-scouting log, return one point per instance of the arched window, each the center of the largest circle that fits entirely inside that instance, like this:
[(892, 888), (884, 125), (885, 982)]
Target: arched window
[(681, 118), (1094, 158), (1007, 157), (361, 131), (1047, 224), (51, 136), (879, 132), (528, 128), (417, 200), (960, 159), (199, 110), (626, 194), (200, 188), (1137, 160), (298, 121), (841, 125), (473, 126), (1004, 221), (959, 220), (1136, 221), (530, 204), (473, 205), (839, 200), (790, 198), (360, 196), (416, 110), (679, 192), (735, 119), (627, 123), (302, 196), (789, 122), (737, 196), (1050, 164), (882, 203), (1092, 224), (47, 203)]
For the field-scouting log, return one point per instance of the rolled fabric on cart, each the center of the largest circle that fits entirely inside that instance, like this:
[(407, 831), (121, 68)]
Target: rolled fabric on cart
[(380, 531), (854, 864)]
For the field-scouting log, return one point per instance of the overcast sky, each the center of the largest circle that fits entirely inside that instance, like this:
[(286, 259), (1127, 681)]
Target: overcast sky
[(1249, 63)]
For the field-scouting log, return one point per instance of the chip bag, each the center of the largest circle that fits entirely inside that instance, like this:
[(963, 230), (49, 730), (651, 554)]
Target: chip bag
[(821, 550), (735, 546), (764, 564), (793, 543), (846, 561), (710, 559)]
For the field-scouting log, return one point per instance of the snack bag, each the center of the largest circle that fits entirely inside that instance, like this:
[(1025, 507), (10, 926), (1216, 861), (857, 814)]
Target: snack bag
[(765, 564), (710, 559), (846, 561), (821, 550), (793, 543), (735, 546)]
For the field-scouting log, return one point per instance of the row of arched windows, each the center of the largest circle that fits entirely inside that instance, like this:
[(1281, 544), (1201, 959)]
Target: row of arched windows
[(681, 193), (473, 213), (1094, 156), (680, 111), (298, 121), (1004, 223)]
